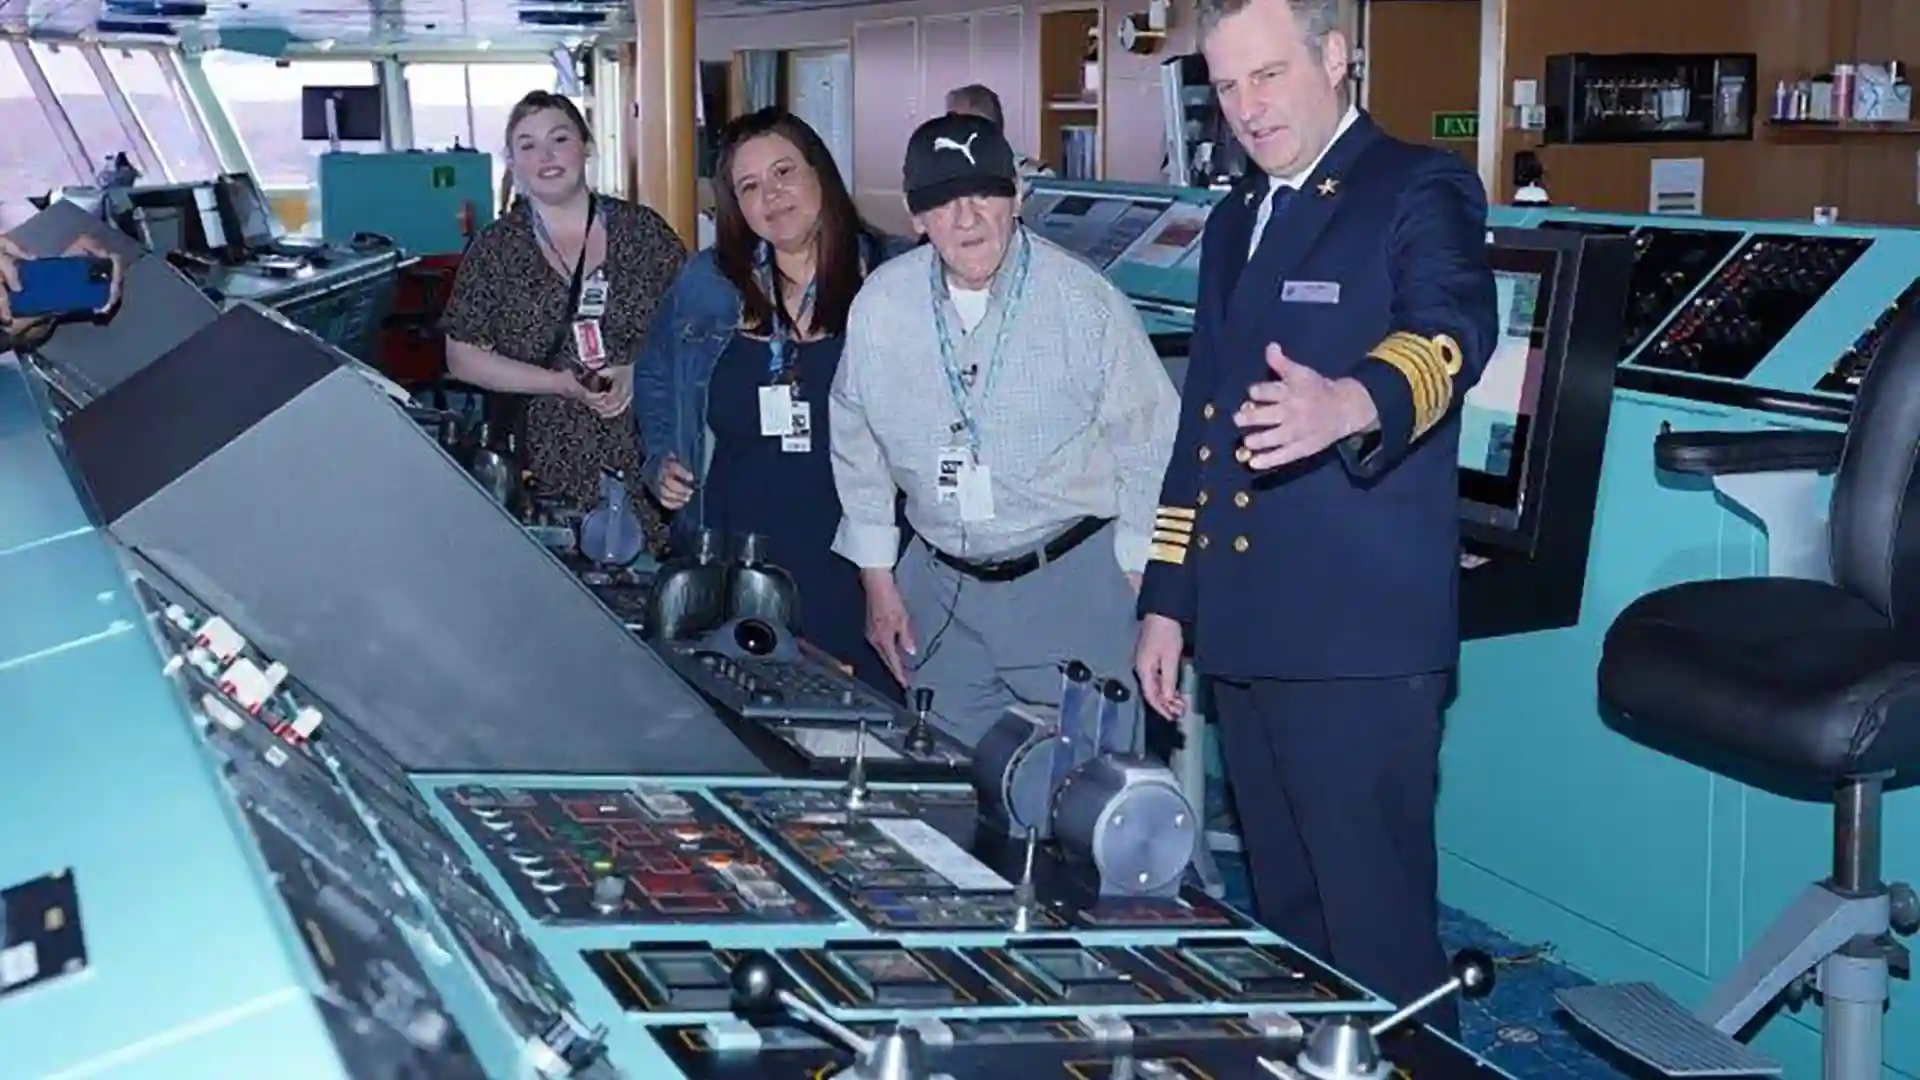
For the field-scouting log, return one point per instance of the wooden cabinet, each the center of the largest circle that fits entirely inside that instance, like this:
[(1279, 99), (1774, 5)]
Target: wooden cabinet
[(902, 70)]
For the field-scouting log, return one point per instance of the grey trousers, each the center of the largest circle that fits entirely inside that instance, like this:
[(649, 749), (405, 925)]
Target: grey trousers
[(987, 645)]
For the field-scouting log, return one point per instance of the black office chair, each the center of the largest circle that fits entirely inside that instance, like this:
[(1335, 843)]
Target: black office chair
[(1785, 680)]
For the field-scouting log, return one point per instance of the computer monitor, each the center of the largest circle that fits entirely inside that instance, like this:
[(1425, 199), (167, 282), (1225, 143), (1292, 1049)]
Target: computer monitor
[(163, 229), (248, 216), (357, 113), (1500, 417), (179, 217)]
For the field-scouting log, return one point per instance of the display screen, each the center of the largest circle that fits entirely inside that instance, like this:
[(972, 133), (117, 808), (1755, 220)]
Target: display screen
[(250, 210), (164, 228), (1497, 418), (1095, 227)]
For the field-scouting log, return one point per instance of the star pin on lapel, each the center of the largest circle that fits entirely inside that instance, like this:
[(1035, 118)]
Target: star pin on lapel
[(1328, 187)]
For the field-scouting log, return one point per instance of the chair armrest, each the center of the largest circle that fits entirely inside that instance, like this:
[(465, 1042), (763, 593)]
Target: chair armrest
[(1734, 453)]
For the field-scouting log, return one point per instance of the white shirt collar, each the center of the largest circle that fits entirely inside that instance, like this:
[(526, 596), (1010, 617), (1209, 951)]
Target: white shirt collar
[(1297, 179)]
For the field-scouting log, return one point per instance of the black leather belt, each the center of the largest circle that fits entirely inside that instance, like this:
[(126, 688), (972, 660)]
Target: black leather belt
[(1021, 565)]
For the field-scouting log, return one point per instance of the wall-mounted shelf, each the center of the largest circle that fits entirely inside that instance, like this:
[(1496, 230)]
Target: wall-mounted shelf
[(1844, 127), (1071, 81)]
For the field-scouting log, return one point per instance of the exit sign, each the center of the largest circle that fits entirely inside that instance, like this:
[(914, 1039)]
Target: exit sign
[(1456, 125)]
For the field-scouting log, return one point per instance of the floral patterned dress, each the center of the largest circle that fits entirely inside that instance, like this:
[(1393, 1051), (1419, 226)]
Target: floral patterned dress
[(509, 300)]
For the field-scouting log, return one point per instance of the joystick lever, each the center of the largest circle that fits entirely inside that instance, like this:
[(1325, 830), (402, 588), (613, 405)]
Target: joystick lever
[(920, 736), (1347, 1048), (898, 1055), (856, 796)]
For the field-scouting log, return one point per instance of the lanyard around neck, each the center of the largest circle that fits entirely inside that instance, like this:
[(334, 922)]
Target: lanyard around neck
[(783, 331), (960, 384), (579, 264)]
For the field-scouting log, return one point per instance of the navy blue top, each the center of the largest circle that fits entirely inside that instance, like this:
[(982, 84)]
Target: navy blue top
[(754, 486)]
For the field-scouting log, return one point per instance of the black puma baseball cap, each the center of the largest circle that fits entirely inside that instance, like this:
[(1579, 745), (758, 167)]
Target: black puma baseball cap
[(953, 156)]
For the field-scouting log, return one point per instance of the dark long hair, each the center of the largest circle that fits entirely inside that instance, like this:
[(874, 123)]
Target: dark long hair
[(840, 237)]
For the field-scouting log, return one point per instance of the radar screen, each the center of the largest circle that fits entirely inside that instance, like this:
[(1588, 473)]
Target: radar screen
[(1858, 360), (916, 861), (1161, 1047), (641, 855), (1752, 302), (887, 975)]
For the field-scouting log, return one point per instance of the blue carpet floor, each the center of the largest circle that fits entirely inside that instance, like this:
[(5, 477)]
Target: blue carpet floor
[(1518, 1027)]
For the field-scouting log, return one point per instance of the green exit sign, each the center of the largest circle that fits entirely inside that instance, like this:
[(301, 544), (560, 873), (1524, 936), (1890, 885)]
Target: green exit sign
[(1456, 125)]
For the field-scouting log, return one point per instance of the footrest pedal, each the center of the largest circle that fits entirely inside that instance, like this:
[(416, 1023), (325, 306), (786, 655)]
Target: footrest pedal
[(1646, 1024)]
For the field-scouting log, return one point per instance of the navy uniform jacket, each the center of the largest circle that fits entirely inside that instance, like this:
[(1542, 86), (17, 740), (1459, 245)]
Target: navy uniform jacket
[(1347, 564)]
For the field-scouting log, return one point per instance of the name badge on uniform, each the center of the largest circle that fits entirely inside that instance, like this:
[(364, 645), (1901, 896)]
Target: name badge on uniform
[(1310, 292), (587, 344), (799, 436), (777, 410), (593, 297)]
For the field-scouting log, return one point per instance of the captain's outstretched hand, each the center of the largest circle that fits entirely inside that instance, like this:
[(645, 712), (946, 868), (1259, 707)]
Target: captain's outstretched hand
[(1299, 413)]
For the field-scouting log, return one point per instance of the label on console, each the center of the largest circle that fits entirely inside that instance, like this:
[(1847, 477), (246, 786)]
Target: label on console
[(941, 855), (19, 964)]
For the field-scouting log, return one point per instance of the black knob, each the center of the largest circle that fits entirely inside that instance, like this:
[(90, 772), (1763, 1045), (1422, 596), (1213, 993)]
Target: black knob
[(1077, 671), (922, 700), (1115, 691), (1474, 969), (754, 983), (756, 637)]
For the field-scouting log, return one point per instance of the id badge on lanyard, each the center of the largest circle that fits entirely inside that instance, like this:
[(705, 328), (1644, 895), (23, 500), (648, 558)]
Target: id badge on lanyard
[(784, 414)]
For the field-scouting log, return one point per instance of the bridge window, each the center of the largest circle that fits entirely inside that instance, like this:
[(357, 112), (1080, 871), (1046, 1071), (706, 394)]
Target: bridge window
[(163, 111), (79, 93), (31, 160), (468, 103), (262, 98)]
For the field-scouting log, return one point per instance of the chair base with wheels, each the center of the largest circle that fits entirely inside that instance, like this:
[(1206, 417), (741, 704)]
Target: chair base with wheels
[(1796, 680)]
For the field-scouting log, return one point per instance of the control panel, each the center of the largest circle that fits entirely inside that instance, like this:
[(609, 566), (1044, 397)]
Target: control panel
[(1668, 265), (1855, 362), (375, 884), (1147, 239), (265, 882), (1769, 317), (1750, 304)]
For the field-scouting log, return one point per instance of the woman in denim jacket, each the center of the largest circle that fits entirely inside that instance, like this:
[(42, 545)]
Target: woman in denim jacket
[(730, 387)]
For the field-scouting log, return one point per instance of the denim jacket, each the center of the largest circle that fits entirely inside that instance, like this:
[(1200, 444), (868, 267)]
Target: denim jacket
[(693, 325)]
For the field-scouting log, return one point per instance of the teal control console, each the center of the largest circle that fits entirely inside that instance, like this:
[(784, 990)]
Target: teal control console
[(317, 765), (1552, 825)]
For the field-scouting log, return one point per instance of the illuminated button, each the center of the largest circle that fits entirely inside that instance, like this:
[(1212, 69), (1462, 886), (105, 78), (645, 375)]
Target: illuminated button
[(1241, 499), (1200, 499), (1243, 455), (1206, 452), (1240, 543), (1201, 540), (1206, 412)]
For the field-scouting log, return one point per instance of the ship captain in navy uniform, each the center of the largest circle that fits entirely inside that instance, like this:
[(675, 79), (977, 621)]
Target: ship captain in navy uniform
[(1307, 536)]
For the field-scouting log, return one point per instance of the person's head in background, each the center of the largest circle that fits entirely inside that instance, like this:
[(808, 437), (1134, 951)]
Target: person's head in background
[(547, 149), (777, 191), (975, 99)]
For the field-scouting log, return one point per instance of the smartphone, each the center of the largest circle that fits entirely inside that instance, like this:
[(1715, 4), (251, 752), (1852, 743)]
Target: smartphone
[(64, 285)]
